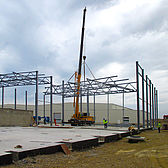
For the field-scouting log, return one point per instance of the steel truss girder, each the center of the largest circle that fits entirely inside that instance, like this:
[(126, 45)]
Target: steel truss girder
[(99, 86), (22, 79)]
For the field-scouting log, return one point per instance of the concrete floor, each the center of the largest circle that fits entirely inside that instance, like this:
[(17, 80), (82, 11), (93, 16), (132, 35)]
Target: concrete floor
[(31, 138), (34, 137)]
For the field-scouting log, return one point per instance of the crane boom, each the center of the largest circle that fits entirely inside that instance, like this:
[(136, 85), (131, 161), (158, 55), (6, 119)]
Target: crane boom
[(80, 65), (82, 40)]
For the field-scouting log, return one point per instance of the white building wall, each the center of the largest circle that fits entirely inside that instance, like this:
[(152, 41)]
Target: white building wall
[(115, 111)]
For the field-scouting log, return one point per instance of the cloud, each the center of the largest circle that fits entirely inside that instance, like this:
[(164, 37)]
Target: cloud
[(110, 70), (45, 36)]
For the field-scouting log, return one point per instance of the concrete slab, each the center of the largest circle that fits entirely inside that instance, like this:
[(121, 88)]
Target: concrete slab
[(34, 138), (85, 127)]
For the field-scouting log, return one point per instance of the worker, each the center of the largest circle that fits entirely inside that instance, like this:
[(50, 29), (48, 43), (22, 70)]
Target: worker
[(44, 120), (159, 126), (105, 122), (55, 121)]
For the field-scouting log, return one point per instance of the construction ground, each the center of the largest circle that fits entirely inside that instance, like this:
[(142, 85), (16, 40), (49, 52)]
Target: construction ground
[(87, 147)]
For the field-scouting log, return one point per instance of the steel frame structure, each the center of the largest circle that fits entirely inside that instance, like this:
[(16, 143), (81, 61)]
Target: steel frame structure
[(149, 101), (111, 85), (99, 86), (24, 79), (91, 87)]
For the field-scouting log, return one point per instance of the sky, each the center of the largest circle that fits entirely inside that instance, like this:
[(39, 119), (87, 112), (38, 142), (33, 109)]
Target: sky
[(44, 35)]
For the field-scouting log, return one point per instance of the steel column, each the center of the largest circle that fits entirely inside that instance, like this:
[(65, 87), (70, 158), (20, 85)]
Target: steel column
[(15, 99), (156, 109), (153, 107), (51, 100), (94, 107), (137, 83), (147, 113), (108, 107), (81, 100), (2, 96), (150, 99), (74, 104), (157, 106), (36, 98), (88, 104), (25, 100), (123, 107), (143, 101), (62, 102), (35, 107), (44, 108)]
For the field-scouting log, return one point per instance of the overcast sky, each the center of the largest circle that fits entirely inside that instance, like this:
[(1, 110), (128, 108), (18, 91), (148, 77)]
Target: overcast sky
[(44, 35)]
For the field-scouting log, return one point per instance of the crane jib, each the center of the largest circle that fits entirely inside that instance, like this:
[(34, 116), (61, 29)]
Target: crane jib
[(82, 40)]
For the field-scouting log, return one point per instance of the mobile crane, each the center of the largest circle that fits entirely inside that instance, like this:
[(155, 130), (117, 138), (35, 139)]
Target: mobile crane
[(80, 118)]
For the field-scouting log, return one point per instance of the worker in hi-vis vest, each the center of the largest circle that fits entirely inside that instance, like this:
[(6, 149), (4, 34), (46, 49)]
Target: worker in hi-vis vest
[(105, 122), (159, 126)]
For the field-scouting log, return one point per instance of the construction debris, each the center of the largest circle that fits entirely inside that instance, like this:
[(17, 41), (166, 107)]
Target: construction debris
[(135, 139), (65, 149), (18, 146)]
